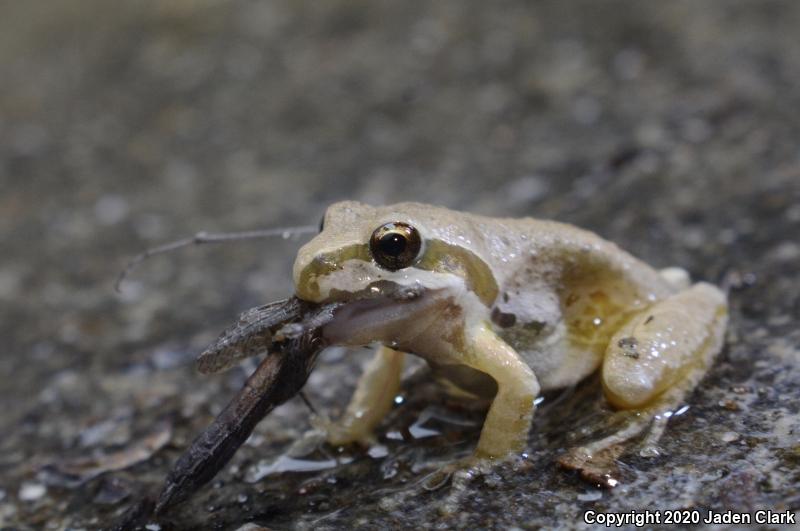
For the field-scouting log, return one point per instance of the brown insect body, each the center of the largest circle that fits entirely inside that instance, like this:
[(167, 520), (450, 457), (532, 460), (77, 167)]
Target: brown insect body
[(281, 374)]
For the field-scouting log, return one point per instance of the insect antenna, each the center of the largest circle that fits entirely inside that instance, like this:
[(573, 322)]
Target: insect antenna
[(209, 237)]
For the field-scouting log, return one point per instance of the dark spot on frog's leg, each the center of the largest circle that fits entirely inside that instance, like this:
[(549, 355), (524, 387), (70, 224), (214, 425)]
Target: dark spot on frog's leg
[(629, 346), (571, 299), (649, 319), (505, 296), (503, 320)]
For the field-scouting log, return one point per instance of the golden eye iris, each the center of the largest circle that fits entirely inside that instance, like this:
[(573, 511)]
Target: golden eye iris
[(395, 245)]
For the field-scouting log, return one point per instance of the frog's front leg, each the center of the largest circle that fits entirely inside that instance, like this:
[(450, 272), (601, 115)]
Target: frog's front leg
[(652, 362), (508, 420), (371, 401)]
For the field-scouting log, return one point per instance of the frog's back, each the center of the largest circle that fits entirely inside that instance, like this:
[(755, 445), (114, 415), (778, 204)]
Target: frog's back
[(522, 250)]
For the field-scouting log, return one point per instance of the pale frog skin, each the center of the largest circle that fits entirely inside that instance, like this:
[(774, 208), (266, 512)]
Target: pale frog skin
[(534, 305)]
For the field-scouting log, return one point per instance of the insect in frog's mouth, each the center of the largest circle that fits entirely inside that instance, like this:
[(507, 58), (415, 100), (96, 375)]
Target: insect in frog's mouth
[(384, 311), (292, 332)]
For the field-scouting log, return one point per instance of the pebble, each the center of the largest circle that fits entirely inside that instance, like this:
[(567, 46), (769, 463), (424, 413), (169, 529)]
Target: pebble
[(29, 492), (110, 209), (252, 527), (729, 436), (592, 495)]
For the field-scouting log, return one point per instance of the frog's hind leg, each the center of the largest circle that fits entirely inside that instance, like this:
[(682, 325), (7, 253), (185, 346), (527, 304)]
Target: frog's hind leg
[(652, 362), (371, 401)]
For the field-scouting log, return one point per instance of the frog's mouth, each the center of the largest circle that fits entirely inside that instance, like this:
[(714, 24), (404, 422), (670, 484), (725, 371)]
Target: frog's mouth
[(387, 312)]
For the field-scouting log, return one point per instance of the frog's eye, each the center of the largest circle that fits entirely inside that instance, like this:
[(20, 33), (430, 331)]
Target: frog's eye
[(395, 245)]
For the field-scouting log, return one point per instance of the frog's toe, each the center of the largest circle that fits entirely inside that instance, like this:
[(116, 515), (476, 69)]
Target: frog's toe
[(337, 434), (462, 469)]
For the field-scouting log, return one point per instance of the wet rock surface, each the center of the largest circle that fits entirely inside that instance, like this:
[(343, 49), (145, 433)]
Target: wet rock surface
[(670, 128)]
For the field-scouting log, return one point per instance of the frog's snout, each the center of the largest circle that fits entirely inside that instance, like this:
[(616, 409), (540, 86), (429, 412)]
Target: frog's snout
[(306, 286)]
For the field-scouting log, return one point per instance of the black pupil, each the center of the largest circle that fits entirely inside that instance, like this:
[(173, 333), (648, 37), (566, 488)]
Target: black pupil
[(393, 244)]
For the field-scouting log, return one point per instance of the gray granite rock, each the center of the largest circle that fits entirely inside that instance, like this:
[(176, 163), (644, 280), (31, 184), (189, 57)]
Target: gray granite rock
[(671, 128)]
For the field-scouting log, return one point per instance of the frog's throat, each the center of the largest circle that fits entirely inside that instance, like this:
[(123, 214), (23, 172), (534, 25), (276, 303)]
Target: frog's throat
[(439, 257)]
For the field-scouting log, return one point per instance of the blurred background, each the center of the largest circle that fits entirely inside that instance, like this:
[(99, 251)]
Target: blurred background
[(671, 128)]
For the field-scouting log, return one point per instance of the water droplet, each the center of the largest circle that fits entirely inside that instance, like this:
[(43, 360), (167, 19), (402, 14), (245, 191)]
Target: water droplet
[(681, 411), (394, 436), (285, 463), (378, 451)]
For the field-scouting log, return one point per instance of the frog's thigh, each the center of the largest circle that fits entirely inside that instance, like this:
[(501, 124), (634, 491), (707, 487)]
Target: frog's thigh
[(372, 399), (664, 351), (508, 420)]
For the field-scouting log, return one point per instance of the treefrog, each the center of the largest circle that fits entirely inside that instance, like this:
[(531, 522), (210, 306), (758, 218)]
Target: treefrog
[(506, 308)]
